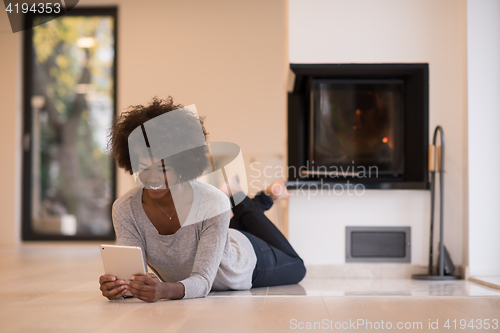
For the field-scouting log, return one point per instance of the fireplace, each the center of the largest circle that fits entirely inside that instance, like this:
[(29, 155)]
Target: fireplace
[(359, 123)]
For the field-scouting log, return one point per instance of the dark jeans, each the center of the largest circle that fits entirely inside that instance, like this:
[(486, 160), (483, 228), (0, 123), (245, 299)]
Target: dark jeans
[(277, 261)]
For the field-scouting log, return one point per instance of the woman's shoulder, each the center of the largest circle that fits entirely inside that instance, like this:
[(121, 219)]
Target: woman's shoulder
[(210, 196), (124, 202)]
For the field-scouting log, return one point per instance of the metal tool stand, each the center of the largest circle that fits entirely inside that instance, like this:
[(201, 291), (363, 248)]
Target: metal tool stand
[(441, 275)]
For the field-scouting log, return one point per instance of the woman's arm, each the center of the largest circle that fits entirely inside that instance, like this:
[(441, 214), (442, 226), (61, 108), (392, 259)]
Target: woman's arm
[(209, 251), (211, 244), (110, 287), (126, 232), (153, 289)]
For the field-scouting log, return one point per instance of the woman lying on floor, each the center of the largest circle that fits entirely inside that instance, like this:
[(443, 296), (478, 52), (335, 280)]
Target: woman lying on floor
[(193, 246)]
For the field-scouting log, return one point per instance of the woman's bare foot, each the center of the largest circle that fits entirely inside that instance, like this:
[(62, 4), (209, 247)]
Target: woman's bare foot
[(234, 186), (277, 190)]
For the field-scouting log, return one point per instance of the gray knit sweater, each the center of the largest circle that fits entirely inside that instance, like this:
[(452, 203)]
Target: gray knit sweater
[(202, 255)]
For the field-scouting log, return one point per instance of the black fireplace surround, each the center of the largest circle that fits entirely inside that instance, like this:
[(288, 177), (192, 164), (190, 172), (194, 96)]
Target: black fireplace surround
[(352, 124)]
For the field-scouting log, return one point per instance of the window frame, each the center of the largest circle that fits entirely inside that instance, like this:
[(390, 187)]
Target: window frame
[(27, 231)]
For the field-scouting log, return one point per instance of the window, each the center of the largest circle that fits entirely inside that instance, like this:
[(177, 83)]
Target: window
[(69, 103)]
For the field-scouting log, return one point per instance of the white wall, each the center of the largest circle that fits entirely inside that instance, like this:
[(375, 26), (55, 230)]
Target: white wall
[(483, 50), (386, 31)]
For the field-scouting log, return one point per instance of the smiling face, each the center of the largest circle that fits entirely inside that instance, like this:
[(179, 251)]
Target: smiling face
[(157, 177)]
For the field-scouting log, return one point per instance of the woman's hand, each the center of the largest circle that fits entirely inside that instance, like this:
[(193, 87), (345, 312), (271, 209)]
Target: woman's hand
[(111, 288), (151, 291), (154, 289)]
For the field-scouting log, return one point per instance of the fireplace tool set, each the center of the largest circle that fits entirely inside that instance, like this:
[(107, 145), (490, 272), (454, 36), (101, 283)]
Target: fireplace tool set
[(445, 265)]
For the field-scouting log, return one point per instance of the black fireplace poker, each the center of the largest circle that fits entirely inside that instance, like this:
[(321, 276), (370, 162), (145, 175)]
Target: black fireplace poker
[(445, 265)]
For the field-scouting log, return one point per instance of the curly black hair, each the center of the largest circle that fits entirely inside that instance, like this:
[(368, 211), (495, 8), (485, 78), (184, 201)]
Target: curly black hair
[(191, 163)]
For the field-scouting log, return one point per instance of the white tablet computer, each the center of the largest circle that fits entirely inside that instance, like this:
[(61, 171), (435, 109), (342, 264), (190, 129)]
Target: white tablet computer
[(122, 262)]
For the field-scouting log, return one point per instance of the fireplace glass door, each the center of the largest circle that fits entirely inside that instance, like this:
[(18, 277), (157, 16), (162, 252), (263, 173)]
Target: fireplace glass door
[(358, 125)]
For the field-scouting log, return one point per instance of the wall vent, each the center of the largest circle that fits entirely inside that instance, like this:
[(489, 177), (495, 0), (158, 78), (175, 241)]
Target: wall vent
[(378, 244)]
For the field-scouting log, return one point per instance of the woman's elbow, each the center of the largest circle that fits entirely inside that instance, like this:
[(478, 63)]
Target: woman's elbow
[(206, 289)]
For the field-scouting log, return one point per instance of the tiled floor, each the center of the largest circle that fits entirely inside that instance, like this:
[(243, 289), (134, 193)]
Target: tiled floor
[(333, 287), (54, 288)]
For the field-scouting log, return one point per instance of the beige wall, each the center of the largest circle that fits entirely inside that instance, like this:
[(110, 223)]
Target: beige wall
[(10, 131), (227, 57)]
